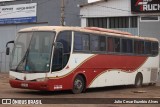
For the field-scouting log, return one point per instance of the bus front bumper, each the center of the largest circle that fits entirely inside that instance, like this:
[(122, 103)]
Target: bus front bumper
[(30, 85)]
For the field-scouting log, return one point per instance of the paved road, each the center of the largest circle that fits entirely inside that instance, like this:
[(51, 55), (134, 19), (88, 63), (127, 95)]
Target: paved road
[(109, 92)]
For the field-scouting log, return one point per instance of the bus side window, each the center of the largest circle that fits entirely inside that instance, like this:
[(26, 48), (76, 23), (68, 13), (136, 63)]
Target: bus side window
[(61, 58), (117, 44), (81, 41), (102, 41), (113, 44), (148, 48), (139, 47), (136, 45), (98, 43), (155, 48), (110, 44), (124, 45), (127, 46), (130, 46), (65, 39)]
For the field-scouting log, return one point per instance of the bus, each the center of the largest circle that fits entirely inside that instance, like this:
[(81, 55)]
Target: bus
[(54, 58)]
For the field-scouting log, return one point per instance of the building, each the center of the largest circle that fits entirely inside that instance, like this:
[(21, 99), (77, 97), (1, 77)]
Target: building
[(18, 14), (140, 17), (90, 1)]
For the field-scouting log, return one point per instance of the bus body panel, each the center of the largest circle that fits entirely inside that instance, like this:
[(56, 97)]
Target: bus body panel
[(27, 76), (98, 69)]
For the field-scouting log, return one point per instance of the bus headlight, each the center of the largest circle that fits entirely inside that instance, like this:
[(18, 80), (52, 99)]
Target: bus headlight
[(41, 79)]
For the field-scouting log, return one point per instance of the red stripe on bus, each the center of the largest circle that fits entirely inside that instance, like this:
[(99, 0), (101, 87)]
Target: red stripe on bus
[(97, 65), (91, 68), (101, 63)]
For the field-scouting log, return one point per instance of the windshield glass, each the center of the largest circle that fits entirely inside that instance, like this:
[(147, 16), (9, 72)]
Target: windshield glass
[(32, 52)]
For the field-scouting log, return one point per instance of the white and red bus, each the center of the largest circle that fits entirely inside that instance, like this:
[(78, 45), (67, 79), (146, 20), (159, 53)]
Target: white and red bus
[(56, 58)]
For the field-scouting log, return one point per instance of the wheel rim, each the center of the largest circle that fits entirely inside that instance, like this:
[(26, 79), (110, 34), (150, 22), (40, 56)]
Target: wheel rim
[(78, 84), (139, 82)]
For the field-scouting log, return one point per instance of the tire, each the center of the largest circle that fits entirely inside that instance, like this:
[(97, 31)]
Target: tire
[(138, 80), (78, 85)]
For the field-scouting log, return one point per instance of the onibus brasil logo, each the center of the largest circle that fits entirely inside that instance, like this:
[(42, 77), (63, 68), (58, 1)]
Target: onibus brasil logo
[(21, 101), (146, 5)]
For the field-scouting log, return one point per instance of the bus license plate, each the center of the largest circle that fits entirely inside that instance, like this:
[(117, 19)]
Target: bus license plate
[(24, 85)]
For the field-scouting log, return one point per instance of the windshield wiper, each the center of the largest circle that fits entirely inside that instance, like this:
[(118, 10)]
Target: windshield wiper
[(23, 59)]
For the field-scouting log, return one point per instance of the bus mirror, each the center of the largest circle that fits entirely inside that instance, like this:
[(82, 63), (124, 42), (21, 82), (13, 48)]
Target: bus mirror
[(9, 43), (7, 48), (7, 51)]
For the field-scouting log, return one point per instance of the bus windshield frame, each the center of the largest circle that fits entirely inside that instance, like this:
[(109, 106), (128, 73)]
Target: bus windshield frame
[(32, 52)]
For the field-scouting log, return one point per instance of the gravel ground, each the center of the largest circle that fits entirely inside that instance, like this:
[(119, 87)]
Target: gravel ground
[(108, 92)]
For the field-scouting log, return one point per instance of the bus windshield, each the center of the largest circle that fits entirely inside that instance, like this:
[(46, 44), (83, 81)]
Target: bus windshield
[(32, 52)]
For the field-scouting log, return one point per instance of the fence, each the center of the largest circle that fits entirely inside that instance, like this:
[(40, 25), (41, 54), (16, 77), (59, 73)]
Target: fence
[(4, 62)]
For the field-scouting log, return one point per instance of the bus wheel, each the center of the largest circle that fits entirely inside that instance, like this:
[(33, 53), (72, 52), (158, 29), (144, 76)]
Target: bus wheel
[(78, 85), (138, 80)]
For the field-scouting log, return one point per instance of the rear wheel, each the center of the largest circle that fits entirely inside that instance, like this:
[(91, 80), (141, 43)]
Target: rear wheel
[(138, 80), (78, 85)]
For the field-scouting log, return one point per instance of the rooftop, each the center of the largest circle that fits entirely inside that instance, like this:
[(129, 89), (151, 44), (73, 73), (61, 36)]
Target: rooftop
[(87, 4), (94, 30)]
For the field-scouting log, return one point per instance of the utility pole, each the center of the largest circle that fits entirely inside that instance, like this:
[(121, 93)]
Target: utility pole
[(62, 13)]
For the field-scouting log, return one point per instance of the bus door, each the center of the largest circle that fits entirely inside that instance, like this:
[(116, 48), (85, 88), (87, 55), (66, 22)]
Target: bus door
[(62, 50)]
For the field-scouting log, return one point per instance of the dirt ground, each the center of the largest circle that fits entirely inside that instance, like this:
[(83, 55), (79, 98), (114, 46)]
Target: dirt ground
[(108, 92)]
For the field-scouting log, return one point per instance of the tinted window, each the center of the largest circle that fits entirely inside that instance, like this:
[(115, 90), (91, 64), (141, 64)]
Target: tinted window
[(81, 42), (110, 44), (139, 47), (148, 47), (113, 44), (127, 46), (98, 43), (65, 39), (154, 48), (117, 44), (62, 54)]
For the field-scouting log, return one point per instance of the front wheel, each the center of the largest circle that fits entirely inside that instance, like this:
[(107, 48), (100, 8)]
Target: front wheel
[(78, 85)]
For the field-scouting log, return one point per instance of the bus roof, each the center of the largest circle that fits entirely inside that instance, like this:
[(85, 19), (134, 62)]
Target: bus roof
[(95, 30)]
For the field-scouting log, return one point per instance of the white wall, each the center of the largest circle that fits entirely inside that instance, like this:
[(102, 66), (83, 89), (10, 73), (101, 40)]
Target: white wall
[(89, 1), (6, 0), (108, 8)]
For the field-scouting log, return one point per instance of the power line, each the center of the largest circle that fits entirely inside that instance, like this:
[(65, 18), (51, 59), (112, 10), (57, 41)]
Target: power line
[(69, 13), (113, 8), (107, 11)]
